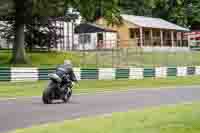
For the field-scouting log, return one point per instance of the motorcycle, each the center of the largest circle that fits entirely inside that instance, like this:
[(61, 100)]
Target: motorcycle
[(52, 91)]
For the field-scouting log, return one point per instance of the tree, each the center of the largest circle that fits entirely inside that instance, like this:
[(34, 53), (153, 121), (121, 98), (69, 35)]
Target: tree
[(90, 10), (182, 12), (24, 11), (193, 12), (36, 34), (172, 10), (19, 54), (6, 7), (137, 7)]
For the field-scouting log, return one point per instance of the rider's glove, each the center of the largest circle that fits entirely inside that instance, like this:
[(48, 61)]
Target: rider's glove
[(73, 83)]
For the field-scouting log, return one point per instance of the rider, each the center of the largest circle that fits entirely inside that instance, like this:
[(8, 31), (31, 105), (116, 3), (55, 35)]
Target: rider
[(65, 70)]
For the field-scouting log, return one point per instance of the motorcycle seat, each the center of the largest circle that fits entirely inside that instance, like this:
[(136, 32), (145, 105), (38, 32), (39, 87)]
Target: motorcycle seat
[(55, 77)]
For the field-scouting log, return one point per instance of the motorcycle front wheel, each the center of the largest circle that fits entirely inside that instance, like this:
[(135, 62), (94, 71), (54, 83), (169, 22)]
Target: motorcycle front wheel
[(47, 93), (67, 96)]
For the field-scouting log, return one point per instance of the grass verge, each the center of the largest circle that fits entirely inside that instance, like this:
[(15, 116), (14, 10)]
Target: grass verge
[(41, 59), (93, 59), (27, 89), (184, 118)]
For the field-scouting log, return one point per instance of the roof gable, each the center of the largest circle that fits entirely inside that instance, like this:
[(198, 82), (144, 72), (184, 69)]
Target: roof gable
[(91, 28), (149, 22)]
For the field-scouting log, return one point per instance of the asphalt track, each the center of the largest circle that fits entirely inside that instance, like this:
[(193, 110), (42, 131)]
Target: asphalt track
[(22, 113)]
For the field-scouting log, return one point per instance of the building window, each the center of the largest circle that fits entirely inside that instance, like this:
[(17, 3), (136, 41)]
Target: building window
[(131, 33), (147, 35), (156, 33), (84, 38)]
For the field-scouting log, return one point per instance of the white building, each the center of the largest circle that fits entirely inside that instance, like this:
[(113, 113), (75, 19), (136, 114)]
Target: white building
[(90, 36)]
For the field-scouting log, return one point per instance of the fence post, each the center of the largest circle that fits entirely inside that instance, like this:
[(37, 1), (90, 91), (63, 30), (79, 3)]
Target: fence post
[(118, 56), (112, 57), (84, 56), (127, 54), (141, 54), (97, 50)]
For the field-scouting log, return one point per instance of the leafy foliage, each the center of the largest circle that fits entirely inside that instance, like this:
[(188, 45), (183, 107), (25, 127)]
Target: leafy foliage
[(182, 12), (90, 10), (36, 34)]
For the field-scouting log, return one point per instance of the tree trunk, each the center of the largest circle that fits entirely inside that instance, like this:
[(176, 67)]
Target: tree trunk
[(19, 53)]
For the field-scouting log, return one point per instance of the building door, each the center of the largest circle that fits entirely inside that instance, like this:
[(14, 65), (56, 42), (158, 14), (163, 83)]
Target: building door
[(100, 37), (99, 40)]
